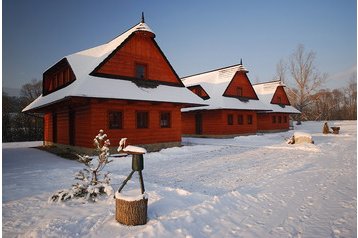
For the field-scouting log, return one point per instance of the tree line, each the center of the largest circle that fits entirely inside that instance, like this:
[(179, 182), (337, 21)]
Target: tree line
[(305, 89), (18, 126)]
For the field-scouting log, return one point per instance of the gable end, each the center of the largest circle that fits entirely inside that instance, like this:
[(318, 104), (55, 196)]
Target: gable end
[(139, 48), (240, 87), (280, 97)]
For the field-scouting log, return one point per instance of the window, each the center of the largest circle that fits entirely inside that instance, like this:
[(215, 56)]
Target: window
[(240, 119), (279, 100), (142, 119), (279, 119), (230, 119), (141, 71), (273, 119), (239, 91), (165, 119), (115, 120), (249, 119), (285, 119)]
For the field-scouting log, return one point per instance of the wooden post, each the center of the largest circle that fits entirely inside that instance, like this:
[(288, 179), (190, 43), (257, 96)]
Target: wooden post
[(131, 213)]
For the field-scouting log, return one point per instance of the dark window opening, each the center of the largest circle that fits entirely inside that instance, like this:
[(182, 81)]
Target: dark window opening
[(165, 119), (249, 119), (142, 119), (285, 119), (115, 120), (240, 119), (273, 119), (279, 119), (279, 100), (141, 71), (230, 119), (239, 91)]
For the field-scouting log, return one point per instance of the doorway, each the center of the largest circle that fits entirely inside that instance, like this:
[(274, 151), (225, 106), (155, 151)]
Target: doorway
[(198, 123)]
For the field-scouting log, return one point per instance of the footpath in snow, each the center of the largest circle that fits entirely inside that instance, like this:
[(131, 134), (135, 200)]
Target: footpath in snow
[(249, 186)]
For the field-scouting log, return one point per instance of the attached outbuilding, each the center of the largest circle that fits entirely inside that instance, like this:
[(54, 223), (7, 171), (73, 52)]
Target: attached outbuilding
[(232, 104), (277, 116)]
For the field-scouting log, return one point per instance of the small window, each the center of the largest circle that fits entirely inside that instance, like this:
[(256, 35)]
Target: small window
[(239, 91), (230, 119), (240, 119), (273, 119), (279, 119), (165, 119), (249, 119), (115, 120), (141, 71), (142, 119), (285, 119), (279, 100)]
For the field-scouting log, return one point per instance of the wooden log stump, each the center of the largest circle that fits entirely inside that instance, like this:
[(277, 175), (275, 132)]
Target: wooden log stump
[(131, 212), (335, 129)]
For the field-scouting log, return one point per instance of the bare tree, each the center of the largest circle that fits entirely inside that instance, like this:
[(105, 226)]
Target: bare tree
[(351, 97), (281, 70), (306, 77), (32, 90)]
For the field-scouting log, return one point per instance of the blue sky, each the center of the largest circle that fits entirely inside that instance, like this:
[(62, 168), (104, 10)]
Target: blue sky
[(195, 36)]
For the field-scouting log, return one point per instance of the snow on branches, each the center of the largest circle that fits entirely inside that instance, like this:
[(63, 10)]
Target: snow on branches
[(91, 185)]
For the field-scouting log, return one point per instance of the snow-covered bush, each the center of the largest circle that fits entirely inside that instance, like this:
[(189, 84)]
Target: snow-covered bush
[(91, 182)]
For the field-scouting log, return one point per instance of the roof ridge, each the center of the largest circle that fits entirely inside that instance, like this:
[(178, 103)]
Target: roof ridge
[(210, 71), (273, 81)]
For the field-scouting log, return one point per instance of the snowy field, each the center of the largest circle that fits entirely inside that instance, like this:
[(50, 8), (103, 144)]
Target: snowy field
[(250, 186)]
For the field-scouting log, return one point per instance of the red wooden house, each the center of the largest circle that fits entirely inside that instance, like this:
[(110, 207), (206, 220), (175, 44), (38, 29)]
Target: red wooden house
[(126, 87), (232, 103), (279, 108)]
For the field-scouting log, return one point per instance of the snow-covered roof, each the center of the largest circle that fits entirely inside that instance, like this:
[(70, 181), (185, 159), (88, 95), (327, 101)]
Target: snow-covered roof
[(86, 85), (266, 91), (215, 83)]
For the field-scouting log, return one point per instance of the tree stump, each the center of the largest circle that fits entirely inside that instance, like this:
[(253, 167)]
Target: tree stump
[(335, 129), (325, 128), (131, 212)]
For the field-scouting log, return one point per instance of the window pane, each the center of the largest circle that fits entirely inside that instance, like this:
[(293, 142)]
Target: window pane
[(230, 119), (165, 120), (273, 119), (140, 71), (239, 91), (240, 119), (142, 119), (115, 120), (249, 119)]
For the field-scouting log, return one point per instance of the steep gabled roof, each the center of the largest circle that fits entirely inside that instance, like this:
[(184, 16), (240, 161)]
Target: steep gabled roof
[(215, 83), (86, 85), (266, 92)]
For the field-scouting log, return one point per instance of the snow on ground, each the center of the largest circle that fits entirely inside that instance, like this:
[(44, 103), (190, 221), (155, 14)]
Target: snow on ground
[(249, 186)]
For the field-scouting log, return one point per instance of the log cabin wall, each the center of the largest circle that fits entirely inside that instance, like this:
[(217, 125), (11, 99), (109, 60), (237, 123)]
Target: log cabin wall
[(90, 119), (216, 122), (272, 121), (48, 128), (154, 133)]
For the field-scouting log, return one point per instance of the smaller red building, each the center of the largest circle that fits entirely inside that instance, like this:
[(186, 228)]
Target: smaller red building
[(277, 117), (232, 104)]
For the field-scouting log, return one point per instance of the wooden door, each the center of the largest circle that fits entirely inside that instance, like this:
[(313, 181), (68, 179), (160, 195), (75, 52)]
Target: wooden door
[(72, 127), (198, 124)]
